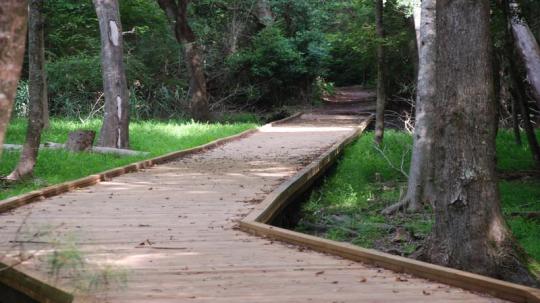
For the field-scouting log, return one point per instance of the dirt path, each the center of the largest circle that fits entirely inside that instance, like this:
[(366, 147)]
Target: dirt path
[(171, 229), (350, 100)]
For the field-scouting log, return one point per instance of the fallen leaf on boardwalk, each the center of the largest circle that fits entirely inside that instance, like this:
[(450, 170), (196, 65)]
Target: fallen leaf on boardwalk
[(319, 273), (401, 279), (426, 293), (335, 282), (363, 280)]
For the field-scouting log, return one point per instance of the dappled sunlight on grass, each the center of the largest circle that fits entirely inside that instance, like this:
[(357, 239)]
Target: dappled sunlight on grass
[(347, 205)]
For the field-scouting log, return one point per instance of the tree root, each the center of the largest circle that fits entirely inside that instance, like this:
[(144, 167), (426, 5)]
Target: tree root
[(405, 204)]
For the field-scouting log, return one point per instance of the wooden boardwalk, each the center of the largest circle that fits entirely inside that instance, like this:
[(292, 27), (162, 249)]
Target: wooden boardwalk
[(171, 230)]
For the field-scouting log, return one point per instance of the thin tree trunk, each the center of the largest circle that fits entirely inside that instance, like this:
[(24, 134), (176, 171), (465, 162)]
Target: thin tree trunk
[(527, 47), (518, 87), (13, 26), (264, 14), (37, 91), (418, 187), (115, 128), (381, 74), (197, 84), (469, 232), (529, 131), (176, 12), (515, 121)]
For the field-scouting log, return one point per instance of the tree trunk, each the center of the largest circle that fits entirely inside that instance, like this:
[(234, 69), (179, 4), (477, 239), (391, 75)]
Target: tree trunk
[(515, 121), (381, 74), (469, 232), (518, 87), (115, 128), (197, 84), (264, 14), (80, 140), (12, 38), (176, 12), (529, 131), (527, 47), (37, 90), (418, 187)]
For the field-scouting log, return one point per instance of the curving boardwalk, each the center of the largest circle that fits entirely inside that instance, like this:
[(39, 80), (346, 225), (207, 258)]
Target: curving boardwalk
[(171, 230)]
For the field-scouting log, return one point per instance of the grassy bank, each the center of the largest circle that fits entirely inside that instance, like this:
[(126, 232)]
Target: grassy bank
[(347, 205), (56, 166)]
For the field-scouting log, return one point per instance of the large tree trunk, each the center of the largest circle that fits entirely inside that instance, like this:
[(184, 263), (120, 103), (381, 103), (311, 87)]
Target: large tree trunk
[(418, 189), (381, 73), (469, 231), (12, 40), (115, 128), (37, 90), (176, 12), (527, 47)]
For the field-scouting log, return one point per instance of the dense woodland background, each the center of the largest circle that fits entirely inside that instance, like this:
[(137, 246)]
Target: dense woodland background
[(249, 67)]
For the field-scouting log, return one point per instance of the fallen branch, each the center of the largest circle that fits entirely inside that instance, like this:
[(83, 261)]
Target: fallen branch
[(95, 149), (526, 214)]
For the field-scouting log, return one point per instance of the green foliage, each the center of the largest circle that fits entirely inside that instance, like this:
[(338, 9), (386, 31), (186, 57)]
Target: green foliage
[(350, 199), (56, 166), (22, 99), (246, 64), (354, 41)]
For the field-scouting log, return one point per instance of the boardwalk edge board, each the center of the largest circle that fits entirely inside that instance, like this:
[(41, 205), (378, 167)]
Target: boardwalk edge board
[(32, 284), (259, 220)]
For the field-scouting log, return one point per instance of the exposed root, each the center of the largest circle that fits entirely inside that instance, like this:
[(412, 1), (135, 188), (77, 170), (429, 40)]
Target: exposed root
[(394, 208), (405, 204)]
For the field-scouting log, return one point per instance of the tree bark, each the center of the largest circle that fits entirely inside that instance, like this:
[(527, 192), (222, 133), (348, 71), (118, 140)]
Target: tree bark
[(419, 190), (176, 12), (527, 47), (518, 87), (515, 121), (381, 73), (12, 38), (115, 128), (469, 232), (80, 140), (37, 91), (264, 14)]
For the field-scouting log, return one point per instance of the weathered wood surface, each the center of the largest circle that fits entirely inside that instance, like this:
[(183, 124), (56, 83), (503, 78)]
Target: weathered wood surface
[(186, 214)]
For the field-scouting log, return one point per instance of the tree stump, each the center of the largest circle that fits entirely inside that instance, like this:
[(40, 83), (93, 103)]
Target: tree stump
[(80, 140)]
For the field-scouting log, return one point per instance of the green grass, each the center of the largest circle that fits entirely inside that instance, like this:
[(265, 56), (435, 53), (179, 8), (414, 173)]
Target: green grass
[(56, 166), (347, 205)]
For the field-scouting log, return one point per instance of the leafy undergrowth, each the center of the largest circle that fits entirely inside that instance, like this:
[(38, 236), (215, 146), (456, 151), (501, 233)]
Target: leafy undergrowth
[(155, 137), (347, 205)]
